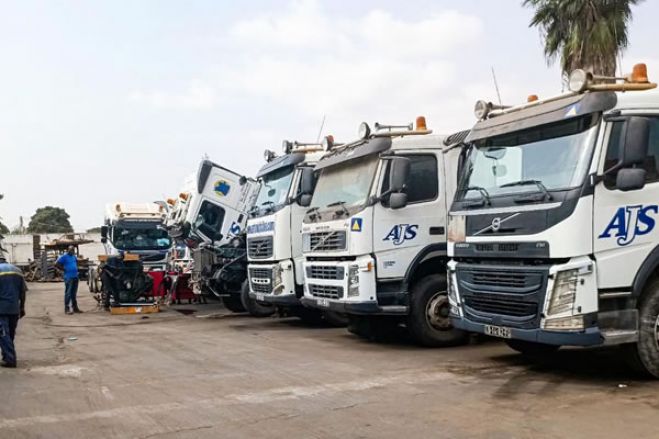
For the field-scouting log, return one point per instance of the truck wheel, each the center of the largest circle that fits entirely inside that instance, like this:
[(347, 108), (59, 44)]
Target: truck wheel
[(233, 303), (335, 319), (428, 320), (254, 308), (644, 355), (530, 348)]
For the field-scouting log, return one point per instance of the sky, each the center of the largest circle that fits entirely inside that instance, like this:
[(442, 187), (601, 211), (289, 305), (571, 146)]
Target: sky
[(119, 100)]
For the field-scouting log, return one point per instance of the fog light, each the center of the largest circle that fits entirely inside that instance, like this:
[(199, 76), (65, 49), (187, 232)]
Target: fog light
[(564, 292), (572, 323), (353, 281)]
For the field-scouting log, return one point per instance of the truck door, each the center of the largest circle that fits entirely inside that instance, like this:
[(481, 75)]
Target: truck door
[(399, 235), (624, 223)]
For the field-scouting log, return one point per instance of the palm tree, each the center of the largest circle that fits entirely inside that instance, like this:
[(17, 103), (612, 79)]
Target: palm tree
[(586, 34)]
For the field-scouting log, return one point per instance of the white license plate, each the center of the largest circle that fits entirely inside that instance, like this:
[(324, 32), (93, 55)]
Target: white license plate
[(260, 297), (498, 331), (323, 302)]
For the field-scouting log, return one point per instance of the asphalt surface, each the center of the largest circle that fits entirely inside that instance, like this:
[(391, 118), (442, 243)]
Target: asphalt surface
[(197, 371)]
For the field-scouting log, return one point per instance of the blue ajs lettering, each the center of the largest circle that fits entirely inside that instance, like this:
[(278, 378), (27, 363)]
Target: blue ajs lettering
[(629, 222), (401, 233)]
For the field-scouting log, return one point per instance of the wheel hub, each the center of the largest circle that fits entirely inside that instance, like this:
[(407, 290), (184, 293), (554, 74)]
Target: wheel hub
[(437, 312)]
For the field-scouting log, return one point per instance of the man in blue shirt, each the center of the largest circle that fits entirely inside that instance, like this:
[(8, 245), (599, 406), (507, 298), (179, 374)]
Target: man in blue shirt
[(12, 308), (68, 263)]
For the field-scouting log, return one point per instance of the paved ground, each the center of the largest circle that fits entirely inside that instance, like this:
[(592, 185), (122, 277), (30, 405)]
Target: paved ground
[(214, 374)]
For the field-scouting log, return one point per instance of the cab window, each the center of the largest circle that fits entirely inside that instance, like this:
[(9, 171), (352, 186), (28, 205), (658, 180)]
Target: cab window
[(651, 164), (422, 183)]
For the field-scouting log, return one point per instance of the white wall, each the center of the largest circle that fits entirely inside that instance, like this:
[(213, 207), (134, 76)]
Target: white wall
[(19, 247)]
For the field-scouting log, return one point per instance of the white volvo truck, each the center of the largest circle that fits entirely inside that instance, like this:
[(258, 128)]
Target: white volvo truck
[(374, 239), (274, 241), (551, 231)]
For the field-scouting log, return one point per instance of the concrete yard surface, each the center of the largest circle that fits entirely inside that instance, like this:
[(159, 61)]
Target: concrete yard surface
[(197, 371)]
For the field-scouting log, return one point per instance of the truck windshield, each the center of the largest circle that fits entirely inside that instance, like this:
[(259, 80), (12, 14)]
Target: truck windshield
[(274, 189), (540, 159), (348, 183), (140, 237)]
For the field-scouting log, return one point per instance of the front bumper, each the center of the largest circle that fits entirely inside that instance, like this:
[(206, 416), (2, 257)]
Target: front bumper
[(588, 337), (328, 286), (273, 283)]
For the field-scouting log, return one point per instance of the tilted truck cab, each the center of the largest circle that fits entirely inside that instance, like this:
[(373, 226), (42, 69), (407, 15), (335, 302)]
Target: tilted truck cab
[(374, 238), (552, 230)]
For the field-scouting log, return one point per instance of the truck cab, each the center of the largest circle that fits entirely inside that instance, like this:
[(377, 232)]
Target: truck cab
[(374, 237), (274, 241), (137, 228), (212, 205), (551, 231)]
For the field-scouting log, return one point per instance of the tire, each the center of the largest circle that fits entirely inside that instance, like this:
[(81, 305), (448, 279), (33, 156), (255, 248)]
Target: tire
[(254, 308), (335, 319), (643, 356), (531, 349), (428, 321), (233, 303), (373, 328)]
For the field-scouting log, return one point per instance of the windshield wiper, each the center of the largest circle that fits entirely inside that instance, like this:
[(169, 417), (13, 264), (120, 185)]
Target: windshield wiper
[(538, 183), (343, 207), (313, 213), (271, 205), (483, 192)]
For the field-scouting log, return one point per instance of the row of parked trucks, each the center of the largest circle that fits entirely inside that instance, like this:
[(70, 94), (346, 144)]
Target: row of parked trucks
[(535, 226)]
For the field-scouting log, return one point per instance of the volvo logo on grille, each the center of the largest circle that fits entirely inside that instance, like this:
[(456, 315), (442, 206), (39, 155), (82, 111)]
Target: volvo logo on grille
[(496, 224)]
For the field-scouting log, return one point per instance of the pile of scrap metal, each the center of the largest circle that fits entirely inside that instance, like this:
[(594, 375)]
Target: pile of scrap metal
[(42, 268)]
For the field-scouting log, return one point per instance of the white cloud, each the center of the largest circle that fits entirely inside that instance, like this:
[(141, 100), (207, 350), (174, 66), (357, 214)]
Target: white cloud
[(197, 96), (376, 65)]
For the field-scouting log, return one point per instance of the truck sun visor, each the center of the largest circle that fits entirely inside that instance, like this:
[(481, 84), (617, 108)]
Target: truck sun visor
[(562, 109), (372, 146), (281, 162)]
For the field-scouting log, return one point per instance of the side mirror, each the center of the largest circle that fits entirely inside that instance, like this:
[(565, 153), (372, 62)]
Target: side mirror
[(104, 240), (242, 180), (307, 181), (400, 170), (397, 200), (630, 179), (636, 142), (304, 200), (104, 232)]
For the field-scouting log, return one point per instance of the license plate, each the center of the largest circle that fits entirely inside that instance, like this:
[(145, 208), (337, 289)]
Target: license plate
[(260, 297), (498, 331), (323, 302)]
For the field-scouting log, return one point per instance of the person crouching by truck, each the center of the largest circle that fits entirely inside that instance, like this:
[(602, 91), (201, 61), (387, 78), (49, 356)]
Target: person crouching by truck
[(68, 263), (12, 308)]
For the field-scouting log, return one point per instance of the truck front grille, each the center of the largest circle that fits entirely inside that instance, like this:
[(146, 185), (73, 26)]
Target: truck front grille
[(326, 291), (325, 272), (503, 295), (259, 248), (327, 241), (260, 280)]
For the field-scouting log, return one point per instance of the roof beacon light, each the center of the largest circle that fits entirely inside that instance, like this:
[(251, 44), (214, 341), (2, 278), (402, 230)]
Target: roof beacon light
[(328, 142), (364, 130), (268, 155), (171, 201), (532, 98), (637, 80), (639, 74), (421, 124), (184, 196)]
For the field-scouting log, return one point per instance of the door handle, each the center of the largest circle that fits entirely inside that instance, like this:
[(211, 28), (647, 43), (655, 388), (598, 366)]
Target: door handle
[(437, 230)]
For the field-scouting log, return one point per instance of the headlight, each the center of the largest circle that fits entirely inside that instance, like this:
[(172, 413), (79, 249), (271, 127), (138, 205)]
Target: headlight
[(276, 279), (564, 292), (578, 81), (453, 300), (353, 281)]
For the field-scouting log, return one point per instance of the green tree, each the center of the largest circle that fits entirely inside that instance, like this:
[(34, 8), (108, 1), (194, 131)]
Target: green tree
[(50, 219), (585, 34), (94, 230)]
